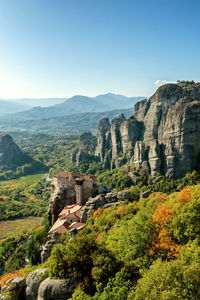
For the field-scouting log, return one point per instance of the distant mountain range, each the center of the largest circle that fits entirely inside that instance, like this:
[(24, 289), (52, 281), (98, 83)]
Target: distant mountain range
[(71, 124), (72, 116), (76, 104), (43, 102), (12, 107)]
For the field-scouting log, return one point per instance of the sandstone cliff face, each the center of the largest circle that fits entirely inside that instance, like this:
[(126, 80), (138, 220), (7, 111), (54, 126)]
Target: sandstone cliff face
[(116, 138), (10, 154), (163, 134), (103, 150)]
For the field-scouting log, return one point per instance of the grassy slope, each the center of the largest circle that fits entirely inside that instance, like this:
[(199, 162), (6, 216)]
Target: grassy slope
[(18, 226), (23, 181), (23, 197)]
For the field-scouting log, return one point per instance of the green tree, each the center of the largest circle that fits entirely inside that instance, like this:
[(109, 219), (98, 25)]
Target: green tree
[(168, 281)]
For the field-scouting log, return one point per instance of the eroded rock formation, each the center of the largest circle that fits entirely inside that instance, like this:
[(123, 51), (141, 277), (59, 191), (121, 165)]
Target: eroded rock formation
[(116, 138), (85, 152), (10, 154), (162, 136)]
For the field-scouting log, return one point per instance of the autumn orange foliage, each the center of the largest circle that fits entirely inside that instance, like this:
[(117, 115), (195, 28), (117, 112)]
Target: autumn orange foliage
[(13, 185), (185, 194), (151, 196), (8, 276), (122, 210), (32, 197), (99, 237), (98, 212), (162, 197), (164, 246), (4, 197), (162, 214)]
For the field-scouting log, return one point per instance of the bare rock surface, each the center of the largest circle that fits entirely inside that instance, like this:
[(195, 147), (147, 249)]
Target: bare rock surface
[(145, 194), (163, 134), (123, 195), (47, 248), (33, 283), (52, 289), (10, 154), (14, 289), (91, 205)]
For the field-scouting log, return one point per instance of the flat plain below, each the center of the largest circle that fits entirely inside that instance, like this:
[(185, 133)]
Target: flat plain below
[(19, 226)]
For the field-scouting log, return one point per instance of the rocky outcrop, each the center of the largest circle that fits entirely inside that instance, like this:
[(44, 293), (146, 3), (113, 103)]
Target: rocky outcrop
[(58, 201), (37, 288), (81, 156), (14, 289), (163, 136), (172, 130), (140, 109), (116, 138), (103, 151), (123, 195), (87, 138), (84, 153), (47, 248), (91, 205), (51, 289), (32, 284), (145, 194), (130, 131), (102, 201), (10, 154)]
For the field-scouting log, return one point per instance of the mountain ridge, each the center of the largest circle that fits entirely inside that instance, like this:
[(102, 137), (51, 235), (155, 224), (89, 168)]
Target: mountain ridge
[(12, 107), (83, 104), (71, 124)]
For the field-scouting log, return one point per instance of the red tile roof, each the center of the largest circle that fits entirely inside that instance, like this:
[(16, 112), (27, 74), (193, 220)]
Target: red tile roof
[(70, 209), (74, 175), (71, 216), (68, 175), (58, 225), (77, 225)]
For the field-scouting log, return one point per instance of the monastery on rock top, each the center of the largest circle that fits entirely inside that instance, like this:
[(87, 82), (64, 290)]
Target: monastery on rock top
[(71, 191)]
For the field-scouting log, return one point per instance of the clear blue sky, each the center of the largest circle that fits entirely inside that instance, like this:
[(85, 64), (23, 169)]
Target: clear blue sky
[(65, 47)]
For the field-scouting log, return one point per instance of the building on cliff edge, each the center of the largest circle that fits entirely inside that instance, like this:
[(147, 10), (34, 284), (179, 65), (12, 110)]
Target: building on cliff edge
[(71, 191), (68, 219)]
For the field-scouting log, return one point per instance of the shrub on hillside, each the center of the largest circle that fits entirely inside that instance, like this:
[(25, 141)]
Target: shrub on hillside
[(168, 280), (8, 276), (185, 194), (185, 226), (130, 239), (162, 214), (163, 246)]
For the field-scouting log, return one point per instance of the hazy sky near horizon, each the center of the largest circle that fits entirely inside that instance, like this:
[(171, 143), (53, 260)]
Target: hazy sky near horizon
[(66, 47)]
